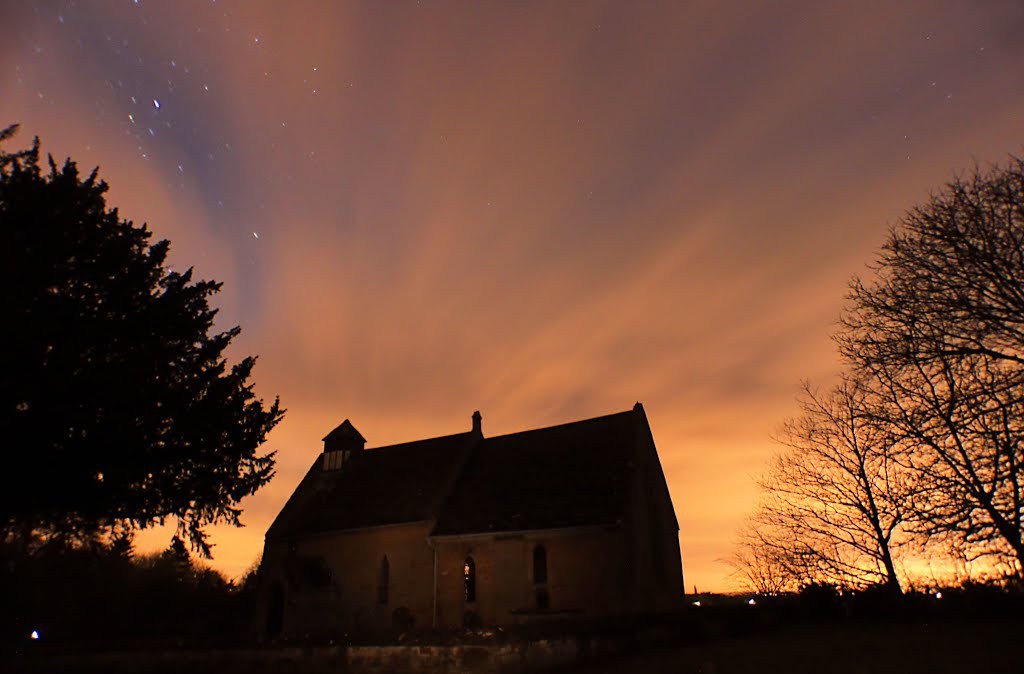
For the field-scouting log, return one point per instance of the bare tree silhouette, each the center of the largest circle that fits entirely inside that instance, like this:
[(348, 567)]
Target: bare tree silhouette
[(834, 498), (761, 565), (940, 333)]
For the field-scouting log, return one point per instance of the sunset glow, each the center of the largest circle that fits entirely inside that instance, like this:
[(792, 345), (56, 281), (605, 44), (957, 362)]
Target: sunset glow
[(542, 211)]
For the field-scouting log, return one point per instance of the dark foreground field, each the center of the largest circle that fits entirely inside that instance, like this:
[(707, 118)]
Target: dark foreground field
[(947, 646), (982, 646)]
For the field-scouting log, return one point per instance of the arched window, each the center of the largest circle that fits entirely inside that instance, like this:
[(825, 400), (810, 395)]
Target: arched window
[(469, 577), (540, 564), (383, 579)]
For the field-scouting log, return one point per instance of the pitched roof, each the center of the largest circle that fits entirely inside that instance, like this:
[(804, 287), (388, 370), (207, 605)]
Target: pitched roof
[(345, 430), (568, 475), (386, 485), (563, 476)]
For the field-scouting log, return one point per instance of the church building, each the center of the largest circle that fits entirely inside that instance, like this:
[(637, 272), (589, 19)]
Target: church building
[(573, 521)]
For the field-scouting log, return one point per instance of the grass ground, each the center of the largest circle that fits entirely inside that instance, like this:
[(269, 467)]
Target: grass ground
[(983, 646)]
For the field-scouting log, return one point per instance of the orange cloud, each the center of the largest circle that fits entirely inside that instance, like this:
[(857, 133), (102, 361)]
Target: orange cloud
[(542, 211)]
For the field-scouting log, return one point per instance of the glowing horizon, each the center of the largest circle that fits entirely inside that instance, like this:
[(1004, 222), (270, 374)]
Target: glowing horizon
[(542, 211)]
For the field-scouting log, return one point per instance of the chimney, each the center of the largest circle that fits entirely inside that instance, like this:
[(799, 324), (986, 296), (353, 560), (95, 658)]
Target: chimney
[(477, 427)]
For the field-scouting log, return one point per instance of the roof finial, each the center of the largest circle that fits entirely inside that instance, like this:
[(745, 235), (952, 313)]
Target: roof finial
[(477, 419)]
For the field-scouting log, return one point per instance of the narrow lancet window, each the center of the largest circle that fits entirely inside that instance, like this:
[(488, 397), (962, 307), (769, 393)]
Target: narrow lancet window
[(540, 564), (469, 577), (383, 579)]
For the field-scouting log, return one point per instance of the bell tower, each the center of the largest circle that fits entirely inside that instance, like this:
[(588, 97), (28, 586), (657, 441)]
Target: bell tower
[(340, 444)]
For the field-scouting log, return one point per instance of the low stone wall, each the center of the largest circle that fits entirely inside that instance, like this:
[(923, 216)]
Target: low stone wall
[(509, 658)]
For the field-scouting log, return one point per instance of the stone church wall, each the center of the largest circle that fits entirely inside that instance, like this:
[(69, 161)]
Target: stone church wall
[(351, 602), (585, 576)]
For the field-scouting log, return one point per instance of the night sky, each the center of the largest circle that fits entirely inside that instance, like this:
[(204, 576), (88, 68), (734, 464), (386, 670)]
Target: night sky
[(542, 210)]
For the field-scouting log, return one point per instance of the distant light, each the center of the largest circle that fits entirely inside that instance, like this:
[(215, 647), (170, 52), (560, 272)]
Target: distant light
[(256, 235), (156, 104), (697, 603), (751, 602), (938, 595), (35, 635)]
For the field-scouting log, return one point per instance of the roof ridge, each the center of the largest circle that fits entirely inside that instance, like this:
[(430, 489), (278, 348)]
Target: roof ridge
[(397, 445), (567, 424)]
